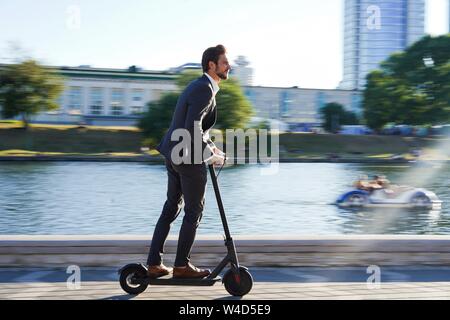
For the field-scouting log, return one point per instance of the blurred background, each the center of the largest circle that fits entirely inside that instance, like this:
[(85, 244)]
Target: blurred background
[(355, 87)]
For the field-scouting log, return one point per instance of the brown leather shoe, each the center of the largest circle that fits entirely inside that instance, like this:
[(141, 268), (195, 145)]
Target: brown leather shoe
[(158, 271), (190, 271)]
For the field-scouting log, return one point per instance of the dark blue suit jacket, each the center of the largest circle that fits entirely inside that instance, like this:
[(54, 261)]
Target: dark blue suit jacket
[(196, 103)]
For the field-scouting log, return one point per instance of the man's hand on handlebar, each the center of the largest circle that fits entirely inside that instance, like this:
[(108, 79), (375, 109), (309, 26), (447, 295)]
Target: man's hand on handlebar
[(218, 158)]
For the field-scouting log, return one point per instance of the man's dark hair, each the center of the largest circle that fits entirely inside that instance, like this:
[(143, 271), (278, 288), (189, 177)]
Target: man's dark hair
[(212, 54)]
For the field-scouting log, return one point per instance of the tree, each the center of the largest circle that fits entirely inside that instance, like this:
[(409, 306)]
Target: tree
[(234, 110), (334, 115), (233, 107), (28, 88), (411, 87), (156, 120)]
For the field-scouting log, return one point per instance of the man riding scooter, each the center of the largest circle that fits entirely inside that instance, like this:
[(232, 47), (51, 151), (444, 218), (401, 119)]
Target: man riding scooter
[(195, 113)]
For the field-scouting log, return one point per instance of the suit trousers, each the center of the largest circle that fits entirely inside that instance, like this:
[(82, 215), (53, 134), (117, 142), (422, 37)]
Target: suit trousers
[(185, 182)]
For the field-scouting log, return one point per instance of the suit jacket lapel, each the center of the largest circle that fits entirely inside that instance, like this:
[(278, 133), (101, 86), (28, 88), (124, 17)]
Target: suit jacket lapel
[(211, 114)]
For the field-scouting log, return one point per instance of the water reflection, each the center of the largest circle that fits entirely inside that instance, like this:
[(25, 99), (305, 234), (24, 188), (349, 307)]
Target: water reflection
[(388, 220)]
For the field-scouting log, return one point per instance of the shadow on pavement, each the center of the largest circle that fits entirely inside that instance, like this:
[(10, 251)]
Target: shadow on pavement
[(293, 275), (229, 298), (120, 297)]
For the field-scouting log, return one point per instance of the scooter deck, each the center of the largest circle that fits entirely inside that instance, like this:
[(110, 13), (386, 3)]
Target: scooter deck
[(169, 280)]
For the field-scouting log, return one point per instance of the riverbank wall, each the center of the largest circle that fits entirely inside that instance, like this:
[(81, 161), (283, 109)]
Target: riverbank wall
[(254, 251)]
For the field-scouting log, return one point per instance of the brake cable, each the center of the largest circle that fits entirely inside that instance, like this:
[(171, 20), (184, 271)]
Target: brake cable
[(217, 175)]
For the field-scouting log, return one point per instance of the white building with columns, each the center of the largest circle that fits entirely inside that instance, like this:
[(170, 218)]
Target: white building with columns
[(98, 96), (118, 97)]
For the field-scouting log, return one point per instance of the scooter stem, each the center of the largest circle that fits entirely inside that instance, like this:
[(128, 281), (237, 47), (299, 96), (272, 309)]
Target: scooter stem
[(212, 172)]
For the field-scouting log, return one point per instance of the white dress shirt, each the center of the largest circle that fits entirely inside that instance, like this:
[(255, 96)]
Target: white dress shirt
[(216, 88), (215, 85)]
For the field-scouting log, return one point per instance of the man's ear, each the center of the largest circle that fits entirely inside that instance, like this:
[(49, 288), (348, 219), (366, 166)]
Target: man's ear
[(211, 65)]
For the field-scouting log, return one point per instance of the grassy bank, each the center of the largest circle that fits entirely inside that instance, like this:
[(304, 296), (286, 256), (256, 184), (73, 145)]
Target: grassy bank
[(59, 140), (70, 139), (357, 146)]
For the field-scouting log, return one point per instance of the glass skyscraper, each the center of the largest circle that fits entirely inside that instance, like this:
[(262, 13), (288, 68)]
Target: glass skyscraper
[(374, 29)]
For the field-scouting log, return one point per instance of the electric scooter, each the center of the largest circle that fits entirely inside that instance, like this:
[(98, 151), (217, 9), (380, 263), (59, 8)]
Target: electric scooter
[(237, 280)]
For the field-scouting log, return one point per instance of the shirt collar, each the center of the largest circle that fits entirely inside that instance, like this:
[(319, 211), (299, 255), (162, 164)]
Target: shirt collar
[(213, 83)]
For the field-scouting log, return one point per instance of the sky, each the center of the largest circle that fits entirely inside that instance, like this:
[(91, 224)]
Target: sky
[(287, 42)]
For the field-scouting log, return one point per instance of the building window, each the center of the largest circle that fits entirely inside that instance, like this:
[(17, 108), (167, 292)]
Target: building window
[(60, 103), (96, 101), (137, 95), (75, 100), (117, 102), (116, 110), (96, 109), (137, 109), (285, 104)]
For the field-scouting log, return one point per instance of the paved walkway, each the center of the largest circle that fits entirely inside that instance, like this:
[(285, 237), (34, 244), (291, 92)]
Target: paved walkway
[(270, 284)]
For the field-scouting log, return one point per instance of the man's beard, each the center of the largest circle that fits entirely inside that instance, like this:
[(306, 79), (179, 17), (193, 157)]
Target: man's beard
[(222, 75)]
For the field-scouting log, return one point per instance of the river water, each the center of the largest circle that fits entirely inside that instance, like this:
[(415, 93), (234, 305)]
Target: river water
[(294, 199)]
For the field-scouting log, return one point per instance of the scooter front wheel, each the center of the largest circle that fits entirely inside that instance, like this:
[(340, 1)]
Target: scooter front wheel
[(130, 272), (238, 284)]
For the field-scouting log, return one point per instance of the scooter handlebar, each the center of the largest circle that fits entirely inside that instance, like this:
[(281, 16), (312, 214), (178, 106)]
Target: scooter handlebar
[(211, 165)]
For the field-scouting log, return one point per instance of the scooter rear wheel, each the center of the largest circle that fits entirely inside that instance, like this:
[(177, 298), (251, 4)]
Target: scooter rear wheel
[(238, 285), (130, 272)]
